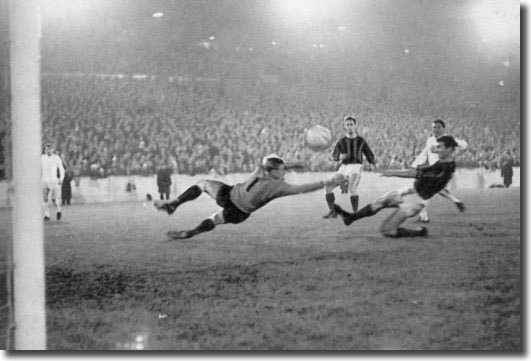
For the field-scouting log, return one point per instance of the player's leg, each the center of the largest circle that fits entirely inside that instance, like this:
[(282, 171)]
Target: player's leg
[(226, 215), (56, 195), (45, 202), (448, 195), (388, 200), (205, 226), (354, 180), (391, 226), (330, 197), (193, 192)]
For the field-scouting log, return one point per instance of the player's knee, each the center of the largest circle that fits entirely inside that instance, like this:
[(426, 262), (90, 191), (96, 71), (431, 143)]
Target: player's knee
[(388, 200), (217, 218), (388, 230), (202, 184)]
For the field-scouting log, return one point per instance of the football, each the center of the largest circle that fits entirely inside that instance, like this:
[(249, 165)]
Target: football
[(318, 138)]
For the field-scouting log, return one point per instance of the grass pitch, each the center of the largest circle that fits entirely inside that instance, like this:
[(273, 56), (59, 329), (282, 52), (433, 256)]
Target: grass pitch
[(286, 279)]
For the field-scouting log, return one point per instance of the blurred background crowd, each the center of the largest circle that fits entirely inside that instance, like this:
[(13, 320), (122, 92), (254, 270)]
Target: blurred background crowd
[(125, 92), (123, 125)]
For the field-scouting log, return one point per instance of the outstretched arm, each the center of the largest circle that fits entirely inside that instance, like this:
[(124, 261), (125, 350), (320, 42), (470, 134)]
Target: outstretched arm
[(296, 165), (403, 173)]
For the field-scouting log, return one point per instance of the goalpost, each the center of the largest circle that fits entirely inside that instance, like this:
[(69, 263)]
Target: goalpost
[(28, 248)]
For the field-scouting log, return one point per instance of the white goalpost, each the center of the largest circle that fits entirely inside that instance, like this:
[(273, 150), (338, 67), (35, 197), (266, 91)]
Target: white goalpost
[(27, 214)]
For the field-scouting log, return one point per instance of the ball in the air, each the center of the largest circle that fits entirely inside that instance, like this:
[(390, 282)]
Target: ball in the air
[(318, 138)]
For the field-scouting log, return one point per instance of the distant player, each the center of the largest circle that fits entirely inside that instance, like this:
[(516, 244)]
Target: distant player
[(52, 175), (430, 156), (239, 201), (429, 181), (349, 152)]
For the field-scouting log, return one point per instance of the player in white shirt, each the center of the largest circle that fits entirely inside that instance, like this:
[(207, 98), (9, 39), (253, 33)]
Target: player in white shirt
[(52, 175), (430, 156)]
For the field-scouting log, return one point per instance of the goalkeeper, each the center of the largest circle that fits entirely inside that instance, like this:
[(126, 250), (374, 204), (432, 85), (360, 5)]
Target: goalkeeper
[(239, 201)]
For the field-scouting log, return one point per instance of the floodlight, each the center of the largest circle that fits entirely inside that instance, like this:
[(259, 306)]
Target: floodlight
[(496, 21)]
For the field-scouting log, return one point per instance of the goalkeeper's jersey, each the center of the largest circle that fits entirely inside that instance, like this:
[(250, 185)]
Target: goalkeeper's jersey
[(433, 179), (257, 191)]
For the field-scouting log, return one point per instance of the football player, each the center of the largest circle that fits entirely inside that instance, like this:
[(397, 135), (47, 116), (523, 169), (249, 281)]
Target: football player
[(240, 200), (430, 155), (348, 152), (429, 181), (52, 175)]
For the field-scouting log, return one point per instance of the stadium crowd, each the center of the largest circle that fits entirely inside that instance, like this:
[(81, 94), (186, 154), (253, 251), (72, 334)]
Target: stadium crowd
[(219, 105), (134, 125)]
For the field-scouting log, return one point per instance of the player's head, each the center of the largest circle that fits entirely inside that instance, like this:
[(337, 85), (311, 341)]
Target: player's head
[(349, 122), (48, 149), (274, 165), (446, 145), (438, 127)]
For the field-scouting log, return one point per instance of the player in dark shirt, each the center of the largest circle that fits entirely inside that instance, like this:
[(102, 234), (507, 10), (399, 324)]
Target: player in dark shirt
[(429, 181), (349, 152), (239, 201)]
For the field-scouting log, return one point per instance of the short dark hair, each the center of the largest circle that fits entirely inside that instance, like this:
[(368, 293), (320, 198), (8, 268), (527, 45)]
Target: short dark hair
[(350, 117), (274, 163), (439, 121), (448, 141)]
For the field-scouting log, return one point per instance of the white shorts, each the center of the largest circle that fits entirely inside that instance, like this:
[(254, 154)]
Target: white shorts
[(350, 169), (413, 204), (53, 186)]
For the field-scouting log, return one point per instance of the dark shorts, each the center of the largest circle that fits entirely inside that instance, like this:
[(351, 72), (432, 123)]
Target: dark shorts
[(231, 213), (164, 189)]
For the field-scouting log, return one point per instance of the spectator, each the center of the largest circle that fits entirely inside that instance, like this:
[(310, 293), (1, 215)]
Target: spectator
[(164, 172), (506, 165)]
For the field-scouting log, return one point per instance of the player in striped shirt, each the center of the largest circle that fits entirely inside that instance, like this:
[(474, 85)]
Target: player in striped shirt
[(349, 152), (429, 181), (239, 201)]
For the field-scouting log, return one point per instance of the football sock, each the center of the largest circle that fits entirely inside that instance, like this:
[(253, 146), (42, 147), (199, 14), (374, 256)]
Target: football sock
[(46, 209), (366, 211), (205, 226), (406, 232), (348, 217), (330, 199), (188, 195), (354, 201)]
